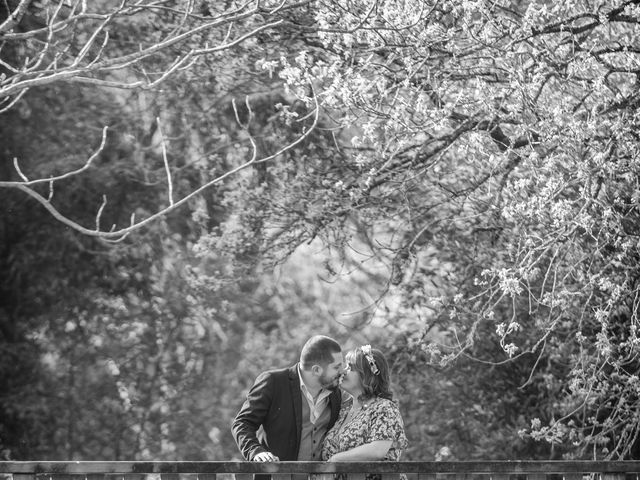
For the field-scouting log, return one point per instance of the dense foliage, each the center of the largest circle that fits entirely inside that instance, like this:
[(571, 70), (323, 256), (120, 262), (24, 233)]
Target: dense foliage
[(460, 176)]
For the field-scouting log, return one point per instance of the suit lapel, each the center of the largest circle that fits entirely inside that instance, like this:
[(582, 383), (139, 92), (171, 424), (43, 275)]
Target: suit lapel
[(335, 401), (296, 396)]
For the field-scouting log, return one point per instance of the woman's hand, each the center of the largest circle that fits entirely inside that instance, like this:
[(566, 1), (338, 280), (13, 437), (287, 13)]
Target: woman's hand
[(265, 457), (336, 458)]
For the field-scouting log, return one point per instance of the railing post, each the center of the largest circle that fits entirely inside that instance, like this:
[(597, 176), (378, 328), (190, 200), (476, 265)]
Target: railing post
[(426, 476), (537, 476), (280, 476), (574, 476), (94, 476)]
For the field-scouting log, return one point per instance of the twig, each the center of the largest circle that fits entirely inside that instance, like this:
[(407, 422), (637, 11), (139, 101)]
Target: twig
[(118, 235), (166, 162), (87, 164)]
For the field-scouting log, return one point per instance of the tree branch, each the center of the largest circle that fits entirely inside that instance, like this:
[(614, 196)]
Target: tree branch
[(120, 234)]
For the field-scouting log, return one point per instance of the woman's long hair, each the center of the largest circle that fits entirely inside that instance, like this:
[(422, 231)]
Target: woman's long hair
[(374, 385)]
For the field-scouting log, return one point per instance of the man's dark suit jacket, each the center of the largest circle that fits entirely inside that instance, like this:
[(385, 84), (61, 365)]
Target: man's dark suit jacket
[(275, 404)]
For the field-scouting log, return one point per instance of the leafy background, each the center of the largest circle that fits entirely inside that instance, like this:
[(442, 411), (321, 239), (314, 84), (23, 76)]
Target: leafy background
[(467, 202)]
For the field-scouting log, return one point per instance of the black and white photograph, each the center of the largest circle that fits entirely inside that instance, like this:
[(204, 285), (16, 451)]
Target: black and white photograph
[(319, 239)]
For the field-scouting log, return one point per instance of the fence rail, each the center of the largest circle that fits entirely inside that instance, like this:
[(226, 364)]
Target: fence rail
[(481, 470)]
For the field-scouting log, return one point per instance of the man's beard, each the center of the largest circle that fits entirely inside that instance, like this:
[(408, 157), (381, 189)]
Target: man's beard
[(331, 383)]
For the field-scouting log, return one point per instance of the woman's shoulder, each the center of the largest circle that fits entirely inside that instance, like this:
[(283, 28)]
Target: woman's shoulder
[(384, 404)]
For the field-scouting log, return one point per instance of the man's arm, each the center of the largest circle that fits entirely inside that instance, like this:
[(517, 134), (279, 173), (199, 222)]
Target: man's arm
[(251, 416)]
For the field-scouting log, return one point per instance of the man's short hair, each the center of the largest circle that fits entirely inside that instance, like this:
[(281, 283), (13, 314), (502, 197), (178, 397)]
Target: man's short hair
[(318, 350)]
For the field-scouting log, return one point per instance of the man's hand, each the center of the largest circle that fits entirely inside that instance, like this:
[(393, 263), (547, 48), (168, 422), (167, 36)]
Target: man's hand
[(265, 457)]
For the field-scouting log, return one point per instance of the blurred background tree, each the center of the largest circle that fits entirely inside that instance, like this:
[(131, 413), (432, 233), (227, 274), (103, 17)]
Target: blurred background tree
[(455, 182)]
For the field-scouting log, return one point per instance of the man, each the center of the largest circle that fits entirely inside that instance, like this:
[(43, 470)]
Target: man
[(288, 411)]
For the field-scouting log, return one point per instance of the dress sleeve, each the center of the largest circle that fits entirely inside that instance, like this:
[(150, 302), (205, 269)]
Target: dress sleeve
[(386, 424)]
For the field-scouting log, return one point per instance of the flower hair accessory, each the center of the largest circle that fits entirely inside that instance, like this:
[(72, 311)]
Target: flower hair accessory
[(366, 350)]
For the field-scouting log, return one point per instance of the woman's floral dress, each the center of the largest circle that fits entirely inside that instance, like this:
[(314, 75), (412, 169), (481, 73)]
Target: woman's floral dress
[(380, 420)]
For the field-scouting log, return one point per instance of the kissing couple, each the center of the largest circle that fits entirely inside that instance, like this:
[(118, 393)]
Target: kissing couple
[(327, 407)]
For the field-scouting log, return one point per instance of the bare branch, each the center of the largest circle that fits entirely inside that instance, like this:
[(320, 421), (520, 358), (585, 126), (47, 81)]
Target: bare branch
[(166, 162), (119, 235), (17, 167), (72, 173), (14, 17), (100, 210)]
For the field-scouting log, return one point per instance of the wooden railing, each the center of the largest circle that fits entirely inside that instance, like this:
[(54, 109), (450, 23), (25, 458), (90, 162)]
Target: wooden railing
[(486, 470)]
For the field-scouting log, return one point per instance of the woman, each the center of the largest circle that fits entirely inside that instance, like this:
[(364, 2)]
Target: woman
[(370, 426)]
